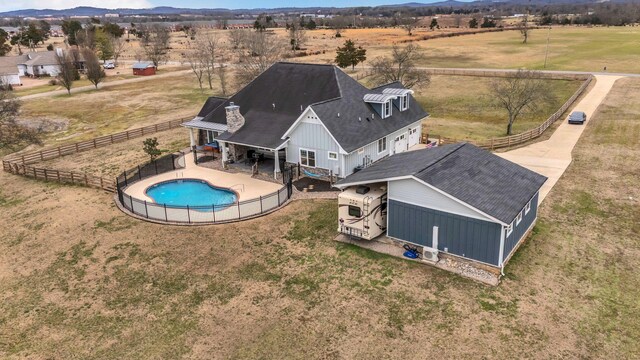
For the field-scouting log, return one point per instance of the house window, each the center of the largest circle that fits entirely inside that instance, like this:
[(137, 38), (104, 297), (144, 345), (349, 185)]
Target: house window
[(527, 208), (333, 155), (509, 229), (404, 102), (382, 145), (519, 218), (308, 158), (354, 211), (386, 109), (210, 136)]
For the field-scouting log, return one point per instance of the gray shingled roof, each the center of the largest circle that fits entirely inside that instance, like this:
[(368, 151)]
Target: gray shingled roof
[(477, 177), (328, 90), (211, 104), (291, 87), (356, 127)]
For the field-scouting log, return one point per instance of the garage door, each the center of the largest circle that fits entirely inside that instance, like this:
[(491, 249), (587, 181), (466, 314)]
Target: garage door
[(414, 136), (400, 144)]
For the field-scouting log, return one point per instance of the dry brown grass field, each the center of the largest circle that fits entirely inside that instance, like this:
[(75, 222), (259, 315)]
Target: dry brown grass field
[(570, 48), (79, 278)]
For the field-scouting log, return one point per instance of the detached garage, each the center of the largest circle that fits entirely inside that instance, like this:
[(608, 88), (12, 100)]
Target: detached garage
[(144, 69), (456, 199)]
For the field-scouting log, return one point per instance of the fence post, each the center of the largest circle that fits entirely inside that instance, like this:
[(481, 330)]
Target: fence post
[(146, 211), (155, 165), (125, 178), (261, 204), (139, 175), (131, 201), (101, 184), (173, 161), (86, 181), (166, 217), (188, 215), (213, 206), (58, 174), (46, 178)]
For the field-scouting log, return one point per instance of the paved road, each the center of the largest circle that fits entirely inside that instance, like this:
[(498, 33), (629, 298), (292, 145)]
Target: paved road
[(552, 157), (105, 85), (550, 72)]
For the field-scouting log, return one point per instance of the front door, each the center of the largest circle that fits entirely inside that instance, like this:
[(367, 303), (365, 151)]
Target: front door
[(400, 144)]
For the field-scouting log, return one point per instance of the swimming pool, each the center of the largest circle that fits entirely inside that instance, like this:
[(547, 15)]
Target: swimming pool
[(190, 192)]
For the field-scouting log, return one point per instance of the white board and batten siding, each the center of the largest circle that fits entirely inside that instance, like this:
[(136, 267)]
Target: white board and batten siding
[(357, 157), (310, 134), (413, 192)]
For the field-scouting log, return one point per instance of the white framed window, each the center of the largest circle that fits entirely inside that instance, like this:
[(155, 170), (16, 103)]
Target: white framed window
[(333, 155), (404, 102), (519, 218), (382, 145), (527, 208), (509, 229), (308, 157), (386, 109)]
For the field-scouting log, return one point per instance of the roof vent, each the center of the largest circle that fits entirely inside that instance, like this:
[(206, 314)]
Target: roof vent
[(373, 116), (274, 106), (360, 119), (301, 108), (338, 114)]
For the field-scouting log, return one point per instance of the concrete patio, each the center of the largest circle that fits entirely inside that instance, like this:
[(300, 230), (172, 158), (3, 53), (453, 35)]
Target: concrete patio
[(246, 187)]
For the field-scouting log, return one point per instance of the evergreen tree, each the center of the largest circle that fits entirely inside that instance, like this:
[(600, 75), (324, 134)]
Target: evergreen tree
[(350, 55)]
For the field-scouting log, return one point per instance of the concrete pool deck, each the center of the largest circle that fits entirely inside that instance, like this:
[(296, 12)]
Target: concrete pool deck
[(243, 184)]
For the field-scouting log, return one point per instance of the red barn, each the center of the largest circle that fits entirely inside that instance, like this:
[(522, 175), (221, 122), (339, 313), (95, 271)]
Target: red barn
[(144, 69)]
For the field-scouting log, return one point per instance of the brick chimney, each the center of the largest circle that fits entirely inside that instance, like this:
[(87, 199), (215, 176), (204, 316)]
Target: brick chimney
[(235, 120)]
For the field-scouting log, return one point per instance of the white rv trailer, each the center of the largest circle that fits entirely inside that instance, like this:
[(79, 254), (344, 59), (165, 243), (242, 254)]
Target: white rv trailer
[(362, 211)]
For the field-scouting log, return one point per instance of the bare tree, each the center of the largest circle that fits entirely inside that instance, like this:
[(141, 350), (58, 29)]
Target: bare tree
[(208, 50), (408, 23), (222, 71), (155, 42), (94, 70), (297, 36), (236, 37), (521, 92), (67, 72), (400, 66), (12, 134), (117, 44), (259, 50), (524, 28)]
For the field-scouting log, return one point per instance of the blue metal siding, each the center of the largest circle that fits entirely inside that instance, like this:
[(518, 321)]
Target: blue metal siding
[(463, 236), (519, 230)]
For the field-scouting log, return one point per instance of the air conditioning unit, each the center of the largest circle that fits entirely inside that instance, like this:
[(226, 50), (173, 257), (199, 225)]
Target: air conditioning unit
[(429, 254)]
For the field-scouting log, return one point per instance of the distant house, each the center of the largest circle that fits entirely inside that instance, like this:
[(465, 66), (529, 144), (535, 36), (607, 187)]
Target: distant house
[(312, 115), (9, 76), (36, 63), (144, 69), (457, 200)]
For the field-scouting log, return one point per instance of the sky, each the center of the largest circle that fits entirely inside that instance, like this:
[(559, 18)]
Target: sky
[(7, 5)]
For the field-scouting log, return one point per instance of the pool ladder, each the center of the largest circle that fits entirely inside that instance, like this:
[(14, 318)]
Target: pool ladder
[(179, 174)]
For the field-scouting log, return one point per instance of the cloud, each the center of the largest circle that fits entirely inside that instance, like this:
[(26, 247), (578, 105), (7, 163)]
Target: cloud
[(67, 4)]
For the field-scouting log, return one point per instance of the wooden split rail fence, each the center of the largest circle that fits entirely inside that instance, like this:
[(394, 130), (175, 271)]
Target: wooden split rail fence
[(508, 141), (19, 164)]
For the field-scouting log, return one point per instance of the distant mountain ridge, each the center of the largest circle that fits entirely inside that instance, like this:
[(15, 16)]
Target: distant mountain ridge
[(168, 10)]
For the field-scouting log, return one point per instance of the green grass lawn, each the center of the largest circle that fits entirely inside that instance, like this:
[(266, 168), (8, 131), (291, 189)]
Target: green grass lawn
[(570, 48), (82, 279), (113, 109), (462, 107)]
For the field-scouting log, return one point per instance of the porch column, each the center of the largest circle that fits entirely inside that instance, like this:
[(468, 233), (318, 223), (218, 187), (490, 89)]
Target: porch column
[(276, 165), (223, 148), (192, 137)]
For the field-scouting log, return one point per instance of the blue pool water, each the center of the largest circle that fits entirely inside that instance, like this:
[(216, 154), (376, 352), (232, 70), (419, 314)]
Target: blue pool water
[(190, 192)]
